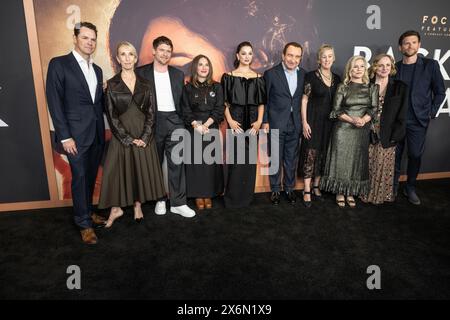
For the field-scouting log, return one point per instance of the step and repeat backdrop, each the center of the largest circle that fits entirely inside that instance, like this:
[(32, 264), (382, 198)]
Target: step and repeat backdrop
[(35, 172)]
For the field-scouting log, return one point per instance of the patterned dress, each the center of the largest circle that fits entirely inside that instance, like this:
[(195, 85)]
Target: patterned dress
[(381, 167)]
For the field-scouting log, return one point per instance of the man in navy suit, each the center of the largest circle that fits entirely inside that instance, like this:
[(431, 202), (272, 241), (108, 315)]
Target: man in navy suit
[(427, 92), (284, 85), (75, 101)]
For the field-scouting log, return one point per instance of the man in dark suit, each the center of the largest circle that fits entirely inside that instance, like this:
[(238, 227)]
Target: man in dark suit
[(284, 85), (75, 101), (167, 83), (427, 92)]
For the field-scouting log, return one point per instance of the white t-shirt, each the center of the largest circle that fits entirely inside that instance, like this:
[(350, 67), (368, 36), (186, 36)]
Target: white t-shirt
[(164, 95)]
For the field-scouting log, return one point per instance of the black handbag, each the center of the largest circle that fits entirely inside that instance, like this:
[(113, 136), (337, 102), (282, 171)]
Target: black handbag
[(374, 138)]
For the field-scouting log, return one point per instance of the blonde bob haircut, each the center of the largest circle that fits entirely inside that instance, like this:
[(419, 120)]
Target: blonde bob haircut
[(128, 45), (322, 49), (374, 66), (348, 68)]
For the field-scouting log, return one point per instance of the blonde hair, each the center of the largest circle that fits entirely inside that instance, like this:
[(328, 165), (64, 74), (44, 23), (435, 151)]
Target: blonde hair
[(321, 50), (349, 66), (126, 44), (374, 66)]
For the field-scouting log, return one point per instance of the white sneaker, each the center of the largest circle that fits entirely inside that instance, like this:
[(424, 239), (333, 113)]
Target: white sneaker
[(160, 208), (183, 210)]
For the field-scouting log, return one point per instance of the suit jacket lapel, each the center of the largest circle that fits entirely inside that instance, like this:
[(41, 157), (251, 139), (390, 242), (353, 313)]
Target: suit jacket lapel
[(418, 71), (150, 76), (297, 90), (389, 88), (173, 85), (282, 76), (99, 89), (77, 70)]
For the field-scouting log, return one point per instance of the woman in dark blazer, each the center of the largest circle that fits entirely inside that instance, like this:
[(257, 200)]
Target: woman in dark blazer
[(389, 127)]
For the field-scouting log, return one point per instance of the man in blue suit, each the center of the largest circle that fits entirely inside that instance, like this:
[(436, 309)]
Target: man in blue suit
[(284, 85), (427, 92), (75, 101)]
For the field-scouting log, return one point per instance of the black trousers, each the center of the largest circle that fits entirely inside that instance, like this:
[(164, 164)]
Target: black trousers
[(166, 124), (84, 167), (288, 143), (415, 141)]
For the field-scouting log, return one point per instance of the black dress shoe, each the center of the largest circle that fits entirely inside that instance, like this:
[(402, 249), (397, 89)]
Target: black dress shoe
[(291, 197), (275, 198)]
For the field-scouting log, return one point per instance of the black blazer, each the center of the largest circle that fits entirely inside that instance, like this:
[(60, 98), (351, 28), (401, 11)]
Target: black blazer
[(393, 117), (73, 112), (118, 100), (279, 99), (428, 89), (176, 82)]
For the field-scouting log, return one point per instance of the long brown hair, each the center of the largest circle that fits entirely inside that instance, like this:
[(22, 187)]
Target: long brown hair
[(194, 66), (238, 49)]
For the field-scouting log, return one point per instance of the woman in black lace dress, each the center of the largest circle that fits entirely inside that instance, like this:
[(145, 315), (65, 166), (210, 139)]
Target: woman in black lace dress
[(245, 96), (317, 101)]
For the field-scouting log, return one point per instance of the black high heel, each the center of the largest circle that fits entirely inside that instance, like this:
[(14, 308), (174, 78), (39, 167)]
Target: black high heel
[(138, 220), (320, 198), (307, 204)]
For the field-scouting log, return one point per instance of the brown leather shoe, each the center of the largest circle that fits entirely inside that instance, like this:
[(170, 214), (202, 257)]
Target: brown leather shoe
[(98, 219), (208, 203), (88, 236), (200, 203)]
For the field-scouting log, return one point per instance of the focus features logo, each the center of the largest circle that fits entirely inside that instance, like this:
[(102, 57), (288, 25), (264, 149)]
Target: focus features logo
[(436, 26)]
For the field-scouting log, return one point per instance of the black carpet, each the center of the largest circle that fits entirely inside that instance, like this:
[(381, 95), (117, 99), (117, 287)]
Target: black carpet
[(263, 252)]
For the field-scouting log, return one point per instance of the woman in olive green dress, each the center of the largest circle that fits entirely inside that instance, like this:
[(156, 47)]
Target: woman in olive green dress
[(132, 172), (347, 165)]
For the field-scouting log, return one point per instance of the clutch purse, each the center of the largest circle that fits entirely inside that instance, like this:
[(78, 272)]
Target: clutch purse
[(374, 138)]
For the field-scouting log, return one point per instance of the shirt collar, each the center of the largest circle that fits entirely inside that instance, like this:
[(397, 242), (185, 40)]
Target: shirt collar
[(80, 58), (287, 70)]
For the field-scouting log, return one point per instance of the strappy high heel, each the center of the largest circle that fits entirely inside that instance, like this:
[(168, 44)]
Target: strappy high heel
[(307, 204), (319, 197), (340, 202), (351, 202)]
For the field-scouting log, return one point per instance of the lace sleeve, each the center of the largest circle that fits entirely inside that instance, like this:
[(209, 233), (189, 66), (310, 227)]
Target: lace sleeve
[(307, 89)]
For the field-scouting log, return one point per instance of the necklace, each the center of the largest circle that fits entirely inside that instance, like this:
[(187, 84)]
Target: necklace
[(326, 77)]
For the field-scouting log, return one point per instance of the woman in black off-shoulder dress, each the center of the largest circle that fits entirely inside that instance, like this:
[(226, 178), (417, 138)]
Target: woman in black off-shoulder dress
[(245, 96)]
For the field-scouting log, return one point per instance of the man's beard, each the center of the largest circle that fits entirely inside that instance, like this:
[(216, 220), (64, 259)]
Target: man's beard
[(162, 61), (406, 54)]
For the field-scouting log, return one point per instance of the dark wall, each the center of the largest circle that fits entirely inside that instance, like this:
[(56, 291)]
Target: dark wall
[(22, 168), (344, 25)]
